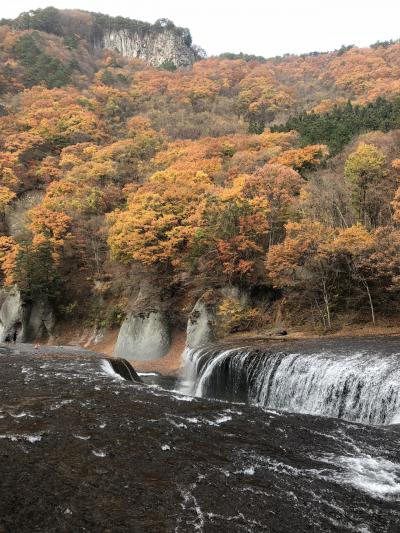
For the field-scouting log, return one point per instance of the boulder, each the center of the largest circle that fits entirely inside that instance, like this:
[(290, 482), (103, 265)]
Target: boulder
[(143, 336), (125, 370)]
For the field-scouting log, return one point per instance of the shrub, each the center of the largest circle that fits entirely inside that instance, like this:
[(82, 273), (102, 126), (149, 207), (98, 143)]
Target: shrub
[(232, 317)]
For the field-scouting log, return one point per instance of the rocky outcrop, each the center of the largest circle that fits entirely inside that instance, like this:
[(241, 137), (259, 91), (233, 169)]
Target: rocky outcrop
[(11, 312), (159, 44), (38, 322), (143, 336), (16, 214), (95, 336), (24, 322), (155, 48), (201, 325), (234, 293), (204, 323)]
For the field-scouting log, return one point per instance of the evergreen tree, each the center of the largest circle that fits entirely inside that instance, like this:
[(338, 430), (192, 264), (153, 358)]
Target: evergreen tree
[(35, 272), (337, 127)]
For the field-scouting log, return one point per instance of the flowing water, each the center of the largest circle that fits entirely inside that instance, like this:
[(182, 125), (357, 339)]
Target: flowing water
[(93, 449), (353, 379)]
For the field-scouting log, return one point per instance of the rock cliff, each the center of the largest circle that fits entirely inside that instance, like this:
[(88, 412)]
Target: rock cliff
[(201, 325), (157, 48), (145, 333), (143, 337)]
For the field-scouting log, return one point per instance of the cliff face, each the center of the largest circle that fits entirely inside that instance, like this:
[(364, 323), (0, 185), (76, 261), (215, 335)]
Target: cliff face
[(155, 48), (161, 43)]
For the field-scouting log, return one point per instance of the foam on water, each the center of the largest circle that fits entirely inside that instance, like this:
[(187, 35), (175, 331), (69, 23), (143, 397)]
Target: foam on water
[(82, 437), (220, 420), (15, 438), (108, 369), (376, 476), (99, 453), (182, 397)]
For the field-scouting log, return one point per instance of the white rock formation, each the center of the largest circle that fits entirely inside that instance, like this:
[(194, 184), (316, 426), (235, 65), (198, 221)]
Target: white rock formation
[(25, 322), (155, 48), (143, 336), (201, 325), (10, 315)]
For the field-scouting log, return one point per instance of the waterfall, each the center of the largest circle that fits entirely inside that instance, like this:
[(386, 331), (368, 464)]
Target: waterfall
[(360, 385)]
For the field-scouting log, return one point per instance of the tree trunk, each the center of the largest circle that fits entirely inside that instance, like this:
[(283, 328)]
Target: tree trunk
[(371, 304), (326, 301)]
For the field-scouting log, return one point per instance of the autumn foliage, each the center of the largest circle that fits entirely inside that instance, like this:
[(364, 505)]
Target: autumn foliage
[(186, 174)]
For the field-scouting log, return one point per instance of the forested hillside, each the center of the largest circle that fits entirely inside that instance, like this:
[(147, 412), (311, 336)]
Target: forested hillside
[(277, 177)]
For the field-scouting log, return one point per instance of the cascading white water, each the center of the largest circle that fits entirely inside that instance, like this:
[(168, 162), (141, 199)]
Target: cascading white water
[(356, 385)]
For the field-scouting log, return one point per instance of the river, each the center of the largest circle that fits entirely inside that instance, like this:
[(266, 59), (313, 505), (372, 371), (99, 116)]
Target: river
[(83, 450)]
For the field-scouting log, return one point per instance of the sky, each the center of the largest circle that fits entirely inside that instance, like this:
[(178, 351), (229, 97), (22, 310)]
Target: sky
[(260, 27)]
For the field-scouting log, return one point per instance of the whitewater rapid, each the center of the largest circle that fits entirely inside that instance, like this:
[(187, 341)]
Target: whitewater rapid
[(358, 381)]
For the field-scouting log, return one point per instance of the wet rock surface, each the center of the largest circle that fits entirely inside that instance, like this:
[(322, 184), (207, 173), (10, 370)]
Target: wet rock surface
[(83, 450)]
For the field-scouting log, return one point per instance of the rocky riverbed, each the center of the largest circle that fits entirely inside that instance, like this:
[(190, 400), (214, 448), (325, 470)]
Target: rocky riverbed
[(83, 450)]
